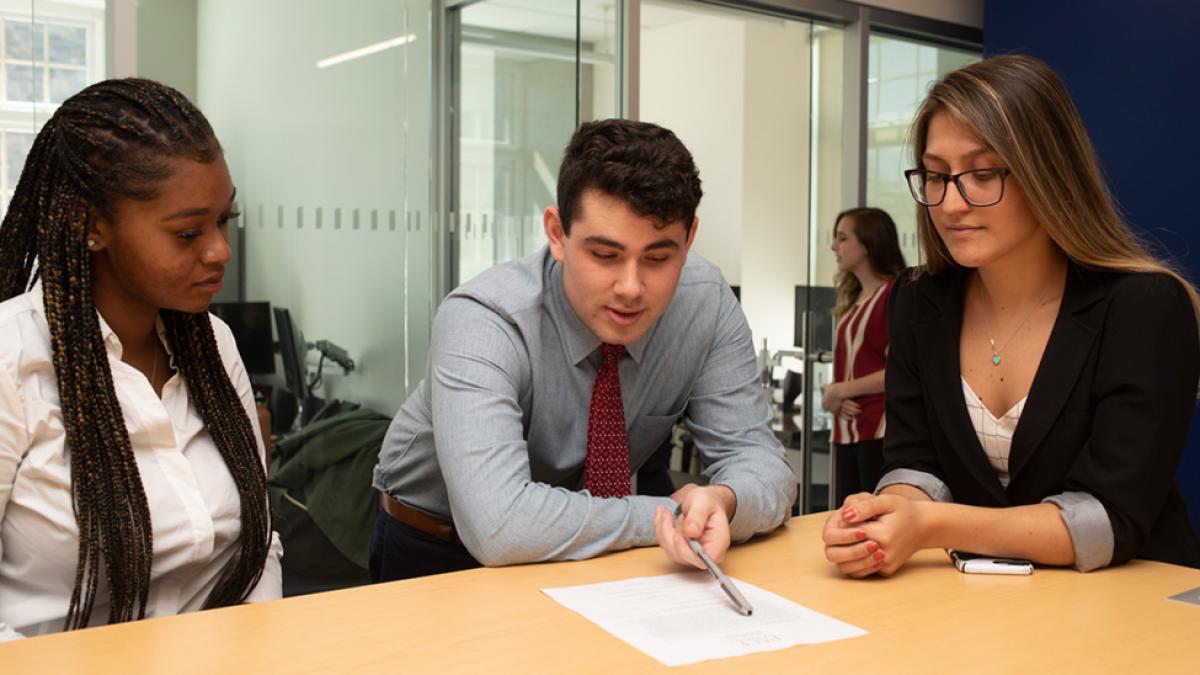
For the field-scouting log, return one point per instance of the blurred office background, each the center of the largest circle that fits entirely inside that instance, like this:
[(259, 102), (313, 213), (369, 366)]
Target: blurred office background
[(386, 151)]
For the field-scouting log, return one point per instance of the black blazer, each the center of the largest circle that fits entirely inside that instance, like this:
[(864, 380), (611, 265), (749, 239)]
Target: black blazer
[(1107, 414)]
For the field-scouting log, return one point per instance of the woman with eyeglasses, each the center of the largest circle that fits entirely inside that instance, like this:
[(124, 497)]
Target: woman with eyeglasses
[(1043, 364)]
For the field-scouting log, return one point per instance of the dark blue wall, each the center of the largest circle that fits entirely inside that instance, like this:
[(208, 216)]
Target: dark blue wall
[(1133, 69)]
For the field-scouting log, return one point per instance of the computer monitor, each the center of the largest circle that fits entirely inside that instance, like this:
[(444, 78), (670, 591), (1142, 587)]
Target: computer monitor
[(293, 351), (820, 299), (251, 326)]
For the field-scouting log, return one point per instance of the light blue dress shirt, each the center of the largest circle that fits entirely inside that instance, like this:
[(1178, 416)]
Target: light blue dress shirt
[(495, 435)]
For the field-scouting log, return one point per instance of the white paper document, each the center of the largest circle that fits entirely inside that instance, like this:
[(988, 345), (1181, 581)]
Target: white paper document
[(685, 618)]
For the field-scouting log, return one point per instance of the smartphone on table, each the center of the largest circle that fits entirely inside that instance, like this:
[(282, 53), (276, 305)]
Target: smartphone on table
[(974, 563)]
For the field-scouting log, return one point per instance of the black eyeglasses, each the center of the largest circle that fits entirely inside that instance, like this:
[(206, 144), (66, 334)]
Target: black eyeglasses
[(979, 187)]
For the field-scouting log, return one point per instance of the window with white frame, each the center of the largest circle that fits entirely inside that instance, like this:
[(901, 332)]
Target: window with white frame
[(48, 52)]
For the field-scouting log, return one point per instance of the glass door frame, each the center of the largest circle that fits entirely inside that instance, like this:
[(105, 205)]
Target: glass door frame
[(447, 102)]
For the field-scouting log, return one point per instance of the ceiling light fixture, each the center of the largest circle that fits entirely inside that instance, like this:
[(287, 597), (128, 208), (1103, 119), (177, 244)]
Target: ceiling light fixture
[(366, 51)]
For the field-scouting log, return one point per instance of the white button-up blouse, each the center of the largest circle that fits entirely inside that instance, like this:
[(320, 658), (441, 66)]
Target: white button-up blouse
[(194, 507)]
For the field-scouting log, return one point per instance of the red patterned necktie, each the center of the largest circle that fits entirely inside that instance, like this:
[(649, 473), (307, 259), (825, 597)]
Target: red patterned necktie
[(607, 470)]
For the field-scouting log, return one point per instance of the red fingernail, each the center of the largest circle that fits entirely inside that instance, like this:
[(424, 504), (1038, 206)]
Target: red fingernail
[(849, 514), (872, 547), (879, 555), (859, 535)]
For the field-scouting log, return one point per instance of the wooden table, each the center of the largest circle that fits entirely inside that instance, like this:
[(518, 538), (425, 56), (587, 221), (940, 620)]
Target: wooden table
[(927, 619)]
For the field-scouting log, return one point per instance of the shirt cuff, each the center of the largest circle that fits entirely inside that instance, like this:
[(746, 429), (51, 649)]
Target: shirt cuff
[(760, 508), (926, 482), (1090, 529)]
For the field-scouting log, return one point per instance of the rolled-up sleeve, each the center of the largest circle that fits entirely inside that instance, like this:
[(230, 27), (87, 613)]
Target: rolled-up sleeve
[(931, 485), (730, 420), (1091, 530), (1144, 392)]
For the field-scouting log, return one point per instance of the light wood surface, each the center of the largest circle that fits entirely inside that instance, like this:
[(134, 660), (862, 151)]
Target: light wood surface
[(927, 619)]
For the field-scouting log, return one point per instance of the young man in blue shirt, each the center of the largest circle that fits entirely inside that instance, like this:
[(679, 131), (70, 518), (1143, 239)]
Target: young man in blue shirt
[(552, 378)]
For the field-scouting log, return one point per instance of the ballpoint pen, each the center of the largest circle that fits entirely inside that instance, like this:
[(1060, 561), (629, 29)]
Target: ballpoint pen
[(739, 601)]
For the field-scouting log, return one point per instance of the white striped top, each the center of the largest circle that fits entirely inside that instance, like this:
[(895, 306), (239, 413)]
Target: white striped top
[(861, 349)]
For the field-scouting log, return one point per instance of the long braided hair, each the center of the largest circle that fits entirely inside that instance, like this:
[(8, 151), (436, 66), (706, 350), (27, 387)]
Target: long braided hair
[(117, 140)]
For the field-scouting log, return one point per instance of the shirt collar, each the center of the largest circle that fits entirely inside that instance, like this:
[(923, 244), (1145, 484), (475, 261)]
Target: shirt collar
[(580, 341), (112, 343)]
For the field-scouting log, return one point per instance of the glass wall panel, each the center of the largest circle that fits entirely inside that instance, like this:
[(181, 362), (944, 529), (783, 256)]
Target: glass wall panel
[(324, 117), (736, 88), (48, 52), (526, 72), (830, 195), (599, 59), (900, 73)]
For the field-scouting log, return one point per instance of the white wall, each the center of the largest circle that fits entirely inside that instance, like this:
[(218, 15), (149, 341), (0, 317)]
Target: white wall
[(166, 43), (691, 76), (735, 88), (775, 182)]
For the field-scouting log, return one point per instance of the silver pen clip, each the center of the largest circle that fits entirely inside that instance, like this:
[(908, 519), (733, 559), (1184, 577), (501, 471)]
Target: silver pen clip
[(739, 601)]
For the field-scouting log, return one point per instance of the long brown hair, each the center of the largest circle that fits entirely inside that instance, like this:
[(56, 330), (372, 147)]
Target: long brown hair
[(877, 232), (1021, 110), (116, 140)]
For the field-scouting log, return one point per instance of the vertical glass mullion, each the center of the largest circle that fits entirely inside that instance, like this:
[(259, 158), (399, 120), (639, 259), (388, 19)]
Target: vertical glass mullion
[(578, 62), (3, 59), (4, 182), (45, 63)]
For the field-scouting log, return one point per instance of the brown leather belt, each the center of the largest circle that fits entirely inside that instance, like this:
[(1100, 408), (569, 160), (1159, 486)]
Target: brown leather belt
[(419, 520)]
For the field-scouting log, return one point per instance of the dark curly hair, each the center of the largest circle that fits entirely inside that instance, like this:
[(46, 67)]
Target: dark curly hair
[(642, 164)]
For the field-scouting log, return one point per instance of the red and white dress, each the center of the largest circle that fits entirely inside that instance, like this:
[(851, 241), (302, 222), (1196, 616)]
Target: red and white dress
[(861, 349)]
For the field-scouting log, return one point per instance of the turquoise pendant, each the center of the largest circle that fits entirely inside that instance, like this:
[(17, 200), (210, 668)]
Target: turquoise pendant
[(996, 360)]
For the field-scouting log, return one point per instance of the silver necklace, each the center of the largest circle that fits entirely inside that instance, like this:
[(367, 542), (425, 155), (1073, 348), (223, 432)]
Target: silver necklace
[(992, 341)]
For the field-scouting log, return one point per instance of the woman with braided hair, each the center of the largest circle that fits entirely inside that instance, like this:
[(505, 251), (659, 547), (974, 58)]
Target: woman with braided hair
[(131, 466)]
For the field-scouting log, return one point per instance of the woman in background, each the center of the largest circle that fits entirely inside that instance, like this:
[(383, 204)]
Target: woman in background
[(1043, 365), (131, 469), (869, 258)]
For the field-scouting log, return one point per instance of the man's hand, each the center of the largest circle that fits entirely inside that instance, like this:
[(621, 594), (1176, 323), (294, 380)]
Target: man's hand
[(706, 512)]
